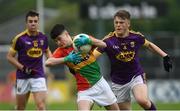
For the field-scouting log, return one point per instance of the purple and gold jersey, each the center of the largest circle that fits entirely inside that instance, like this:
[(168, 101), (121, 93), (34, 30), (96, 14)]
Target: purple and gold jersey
[(30, 50), (123, 55)]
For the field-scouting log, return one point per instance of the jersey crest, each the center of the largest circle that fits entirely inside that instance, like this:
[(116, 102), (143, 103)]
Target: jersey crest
[(125, 56), (34, 52)]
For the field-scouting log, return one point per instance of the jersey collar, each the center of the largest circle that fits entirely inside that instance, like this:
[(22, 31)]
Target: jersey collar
[(30, 34)]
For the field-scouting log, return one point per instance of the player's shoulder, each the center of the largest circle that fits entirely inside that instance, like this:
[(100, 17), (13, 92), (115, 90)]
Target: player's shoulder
[(136, 33), (21, 34), (63, 50), (41, 34), (18, 36), (109, 35), (57, 51)]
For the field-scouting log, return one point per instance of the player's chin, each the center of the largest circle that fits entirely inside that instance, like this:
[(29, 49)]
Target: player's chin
[(33, 29), (119, 33)]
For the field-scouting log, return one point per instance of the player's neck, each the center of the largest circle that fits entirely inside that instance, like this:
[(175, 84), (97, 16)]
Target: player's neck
[(33, 33), (123, 35)]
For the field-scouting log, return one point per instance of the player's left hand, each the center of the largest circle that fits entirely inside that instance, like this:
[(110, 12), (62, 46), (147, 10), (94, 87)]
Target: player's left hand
[(167, 61), (73, 57), (28, 70), (82, 41)]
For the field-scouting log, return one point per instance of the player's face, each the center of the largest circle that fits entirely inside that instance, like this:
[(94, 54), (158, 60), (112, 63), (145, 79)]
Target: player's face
[(121, 26), (32, 23), (64, 40)]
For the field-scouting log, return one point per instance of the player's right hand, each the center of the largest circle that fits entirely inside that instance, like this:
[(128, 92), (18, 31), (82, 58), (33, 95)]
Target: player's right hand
[(167, 61), (28, 70), (74, 57), (82, 41)]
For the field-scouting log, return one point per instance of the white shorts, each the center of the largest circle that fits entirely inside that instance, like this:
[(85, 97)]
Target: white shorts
[(123, 92), (100, 93), (23, 86)]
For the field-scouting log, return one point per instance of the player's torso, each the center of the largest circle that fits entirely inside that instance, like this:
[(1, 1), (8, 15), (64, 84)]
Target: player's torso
[(122, 53), (86, 72), (30, 52), (122, 49), (32, 47)]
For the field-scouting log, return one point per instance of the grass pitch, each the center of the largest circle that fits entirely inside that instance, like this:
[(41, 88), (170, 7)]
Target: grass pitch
[(71, 105)]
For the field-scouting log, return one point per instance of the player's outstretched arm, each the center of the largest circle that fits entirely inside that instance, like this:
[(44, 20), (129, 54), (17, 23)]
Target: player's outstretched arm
[(91, 40), (98, 43), (83, 40), (154, 48), (48, 53), (72, 57), (54, 61), (167, 61)]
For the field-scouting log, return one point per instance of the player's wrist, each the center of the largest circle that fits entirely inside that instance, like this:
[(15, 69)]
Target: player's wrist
[(85, 40), (167, 61), (65, 59), (69, 57), (167, 57), (27, 70), (90, 42), (24, 68)]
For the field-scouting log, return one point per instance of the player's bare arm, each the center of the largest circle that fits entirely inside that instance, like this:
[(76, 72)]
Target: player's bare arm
[(98, 43), (96, 53), (48, 53), (54, 61), (73, 57), (167, 62), (154, 48), (11, 57)]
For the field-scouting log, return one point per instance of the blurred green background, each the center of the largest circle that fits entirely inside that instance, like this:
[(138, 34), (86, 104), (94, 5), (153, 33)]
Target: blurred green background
[(158, 20)]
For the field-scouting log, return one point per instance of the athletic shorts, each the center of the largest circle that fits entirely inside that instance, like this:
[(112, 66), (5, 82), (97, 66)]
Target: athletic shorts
[(100, 93), (23, 86), (123, 92)]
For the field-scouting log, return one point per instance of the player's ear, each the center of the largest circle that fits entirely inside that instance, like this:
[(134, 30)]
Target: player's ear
[(129, 23), (65, 33)]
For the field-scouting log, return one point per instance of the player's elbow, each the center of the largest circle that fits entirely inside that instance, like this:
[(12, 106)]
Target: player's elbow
[(8, 57), (48, 63), (104, 45)]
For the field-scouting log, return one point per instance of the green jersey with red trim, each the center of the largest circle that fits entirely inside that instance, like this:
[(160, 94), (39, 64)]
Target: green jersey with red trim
[(86, 72)]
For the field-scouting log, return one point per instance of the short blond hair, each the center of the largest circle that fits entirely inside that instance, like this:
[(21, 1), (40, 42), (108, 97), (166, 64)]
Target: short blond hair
[(123, 14)]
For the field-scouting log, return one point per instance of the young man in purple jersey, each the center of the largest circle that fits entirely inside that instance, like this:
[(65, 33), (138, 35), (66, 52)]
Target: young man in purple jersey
[(126, 72), (30, 46)]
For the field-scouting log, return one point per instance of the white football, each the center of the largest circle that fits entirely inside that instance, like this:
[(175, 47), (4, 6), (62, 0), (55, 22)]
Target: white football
[(83, 49)]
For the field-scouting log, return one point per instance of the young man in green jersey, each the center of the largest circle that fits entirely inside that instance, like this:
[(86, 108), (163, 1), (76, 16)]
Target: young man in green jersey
[(92, 87)]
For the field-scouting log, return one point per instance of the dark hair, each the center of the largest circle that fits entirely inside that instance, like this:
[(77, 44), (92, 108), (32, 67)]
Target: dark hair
[(123, 14), (57, 30), (32, 13)]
